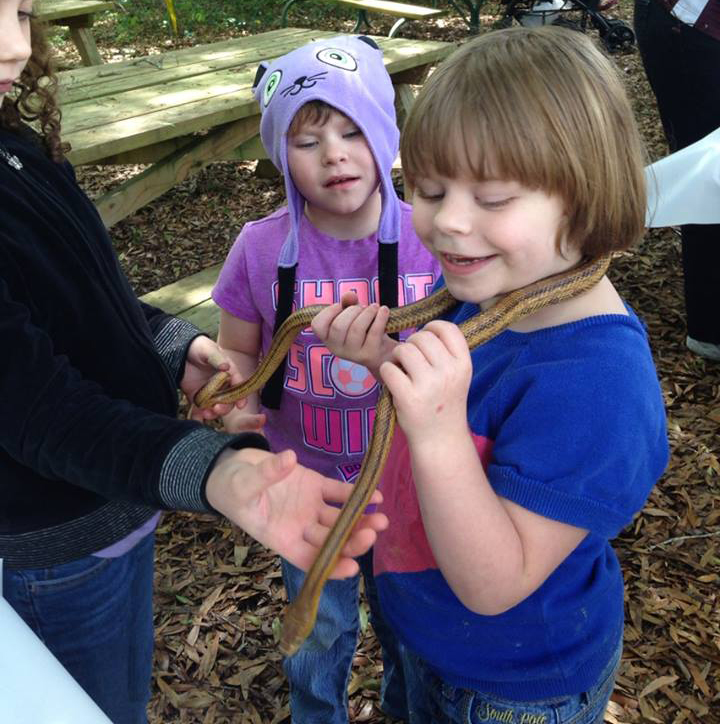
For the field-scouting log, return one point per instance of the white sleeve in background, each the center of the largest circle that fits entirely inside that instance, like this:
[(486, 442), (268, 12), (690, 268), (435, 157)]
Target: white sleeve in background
[(684, 187)]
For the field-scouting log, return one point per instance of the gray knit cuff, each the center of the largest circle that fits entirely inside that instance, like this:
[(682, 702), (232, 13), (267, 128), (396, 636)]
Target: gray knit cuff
[(183, 474), (185, 471), (171, 343)]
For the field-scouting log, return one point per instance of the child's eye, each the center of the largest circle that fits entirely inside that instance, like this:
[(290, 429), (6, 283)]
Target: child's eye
[(304, 144), (494, 204), (25, 14), (352, 134), (429, 195)]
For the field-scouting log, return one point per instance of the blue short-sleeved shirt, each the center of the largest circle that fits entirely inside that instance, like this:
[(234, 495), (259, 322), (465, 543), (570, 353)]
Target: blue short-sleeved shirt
[(569, 423)]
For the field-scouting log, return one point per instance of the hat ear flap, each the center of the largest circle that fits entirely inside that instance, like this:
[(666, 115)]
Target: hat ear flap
[(369, 41), (259, 74)]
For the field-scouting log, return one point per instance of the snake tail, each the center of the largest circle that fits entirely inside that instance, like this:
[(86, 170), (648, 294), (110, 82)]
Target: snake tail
[(300, 615)]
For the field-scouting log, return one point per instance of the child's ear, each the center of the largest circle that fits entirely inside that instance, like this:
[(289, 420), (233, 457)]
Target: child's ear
[(369, 41), (259, 74)]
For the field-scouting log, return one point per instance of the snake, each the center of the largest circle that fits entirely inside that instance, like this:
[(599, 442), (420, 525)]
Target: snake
[(300, 615)]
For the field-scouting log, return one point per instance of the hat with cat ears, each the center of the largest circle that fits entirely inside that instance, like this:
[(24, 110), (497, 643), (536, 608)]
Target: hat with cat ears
[(347, 73)]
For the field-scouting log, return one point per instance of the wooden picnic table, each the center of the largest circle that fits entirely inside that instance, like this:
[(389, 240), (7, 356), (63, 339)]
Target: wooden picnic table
[(78, 16), (181, 110)]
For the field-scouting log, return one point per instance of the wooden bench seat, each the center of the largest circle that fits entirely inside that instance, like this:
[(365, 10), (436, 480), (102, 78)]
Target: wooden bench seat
[(189, 298), (402, 11)]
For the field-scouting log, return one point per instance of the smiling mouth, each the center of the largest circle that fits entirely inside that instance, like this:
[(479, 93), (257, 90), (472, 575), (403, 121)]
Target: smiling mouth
[(457, 260)]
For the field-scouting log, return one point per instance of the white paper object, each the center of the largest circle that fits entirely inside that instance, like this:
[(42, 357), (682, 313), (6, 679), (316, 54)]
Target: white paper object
[(34, 686), (684, 187)]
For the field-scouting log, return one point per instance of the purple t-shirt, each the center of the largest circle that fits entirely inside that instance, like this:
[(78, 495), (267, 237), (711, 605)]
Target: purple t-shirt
[(328, 404)]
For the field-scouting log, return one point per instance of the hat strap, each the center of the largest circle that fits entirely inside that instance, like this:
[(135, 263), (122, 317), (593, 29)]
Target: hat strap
[(388, 275), (272, 392)]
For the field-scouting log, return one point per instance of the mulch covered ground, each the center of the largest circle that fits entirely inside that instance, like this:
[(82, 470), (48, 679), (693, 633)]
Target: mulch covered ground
[(219, 596)]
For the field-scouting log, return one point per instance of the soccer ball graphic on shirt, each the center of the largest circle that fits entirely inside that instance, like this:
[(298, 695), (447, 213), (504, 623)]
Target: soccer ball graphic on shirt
[(351, 379)]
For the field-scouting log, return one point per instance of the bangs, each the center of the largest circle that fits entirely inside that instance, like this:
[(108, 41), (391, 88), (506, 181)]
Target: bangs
[(464, 127), (314, 113), (448, 148)]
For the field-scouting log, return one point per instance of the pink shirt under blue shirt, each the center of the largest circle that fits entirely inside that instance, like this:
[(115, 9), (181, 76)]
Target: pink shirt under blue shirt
[(569, 423), (327, 407)]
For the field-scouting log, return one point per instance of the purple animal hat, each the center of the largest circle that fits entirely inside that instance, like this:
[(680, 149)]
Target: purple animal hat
[(347, 73)]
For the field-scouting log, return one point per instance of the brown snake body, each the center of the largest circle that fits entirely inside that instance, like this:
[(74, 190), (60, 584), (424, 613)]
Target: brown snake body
[(300, 614)]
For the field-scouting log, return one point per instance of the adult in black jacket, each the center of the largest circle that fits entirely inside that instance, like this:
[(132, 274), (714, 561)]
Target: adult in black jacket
[(679, 44), (90, 443)]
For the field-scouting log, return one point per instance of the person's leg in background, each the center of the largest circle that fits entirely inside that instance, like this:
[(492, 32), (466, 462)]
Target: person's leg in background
[(95, 616), (393, 697), (320, 671), (683, 68)]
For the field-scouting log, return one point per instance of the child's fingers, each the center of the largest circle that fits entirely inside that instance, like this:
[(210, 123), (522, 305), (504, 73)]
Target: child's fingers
[(341, 325), (359, 330), (395, 379), (360, 540), (346, 568), (276, 467), (431, 346), (247, 423), (323, 320), (450, 335), (376, 521), (334, 491), (412, 359), (348, 299), (377, 329)]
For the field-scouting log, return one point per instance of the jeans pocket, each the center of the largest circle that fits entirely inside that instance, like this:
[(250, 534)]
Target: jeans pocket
[(66, 577)]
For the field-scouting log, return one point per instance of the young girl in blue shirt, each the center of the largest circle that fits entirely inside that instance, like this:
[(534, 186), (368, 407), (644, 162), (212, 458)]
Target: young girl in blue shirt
[(516, 463)]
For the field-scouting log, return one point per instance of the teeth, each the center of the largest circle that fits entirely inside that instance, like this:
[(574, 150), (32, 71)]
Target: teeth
[(460, 260)]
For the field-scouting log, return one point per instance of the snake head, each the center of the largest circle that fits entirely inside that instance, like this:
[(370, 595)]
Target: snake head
[(297, 625)]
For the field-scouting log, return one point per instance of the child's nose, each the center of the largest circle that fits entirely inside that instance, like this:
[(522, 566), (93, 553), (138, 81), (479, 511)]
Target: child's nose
[(453, 217), (334, 151), (14, 46)]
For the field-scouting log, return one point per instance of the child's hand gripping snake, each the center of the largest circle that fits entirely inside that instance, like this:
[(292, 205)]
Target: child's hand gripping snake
[(300, 615)]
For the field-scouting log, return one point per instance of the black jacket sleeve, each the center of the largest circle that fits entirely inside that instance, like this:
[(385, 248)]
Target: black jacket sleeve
[(66, 428)]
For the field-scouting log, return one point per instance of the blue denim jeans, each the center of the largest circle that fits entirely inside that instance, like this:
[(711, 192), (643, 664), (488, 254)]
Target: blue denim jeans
[(95, 616), (433, 701), (319, 672)]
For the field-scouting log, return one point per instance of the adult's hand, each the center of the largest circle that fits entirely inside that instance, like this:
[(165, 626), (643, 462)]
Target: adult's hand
[(204, 360), (286, 506)]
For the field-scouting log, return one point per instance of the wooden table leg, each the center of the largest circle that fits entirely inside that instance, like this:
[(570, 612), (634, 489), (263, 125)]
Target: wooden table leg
[(85, 43), (81, 35), (404, 98)]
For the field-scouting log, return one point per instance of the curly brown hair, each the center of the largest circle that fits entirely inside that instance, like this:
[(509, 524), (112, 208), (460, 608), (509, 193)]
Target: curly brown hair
[(37, 99)]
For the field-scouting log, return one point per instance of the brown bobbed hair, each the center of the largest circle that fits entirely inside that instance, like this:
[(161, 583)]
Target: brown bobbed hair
[(36, 100), (543, 107)]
